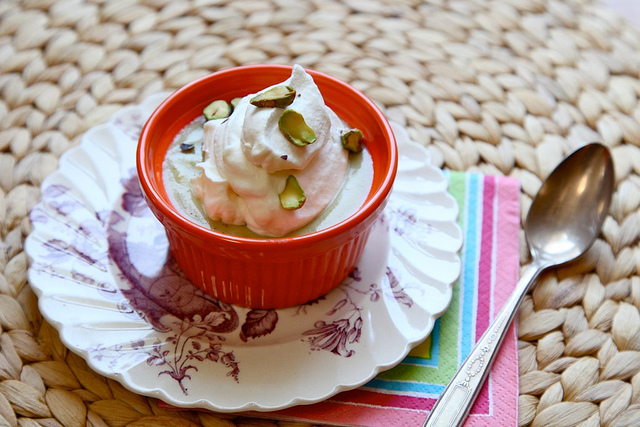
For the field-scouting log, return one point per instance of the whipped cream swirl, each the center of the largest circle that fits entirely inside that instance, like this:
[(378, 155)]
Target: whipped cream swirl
[(248, 159)]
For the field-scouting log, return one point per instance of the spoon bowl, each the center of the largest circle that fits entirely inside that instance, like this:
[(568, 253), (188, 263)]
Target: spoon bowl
[(564, 220), (570, 207)]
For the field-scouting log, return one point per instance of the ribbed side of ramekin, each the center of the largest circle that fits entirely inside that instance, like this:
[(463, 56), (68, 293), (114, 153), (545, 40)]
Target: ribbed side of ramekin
[(266, 285)]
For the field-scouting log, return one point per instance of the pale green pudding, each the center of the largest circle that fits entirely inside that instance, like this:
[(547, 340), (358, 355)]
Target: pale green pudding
[(180, 168)]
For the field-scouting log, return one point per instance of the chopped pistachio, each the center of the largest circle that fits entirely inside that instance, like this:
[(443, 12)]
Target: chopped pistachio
[(295, 129), (184, 147), (352, 140), (235, 101), (218, 109), (279, 96), (292, 197)]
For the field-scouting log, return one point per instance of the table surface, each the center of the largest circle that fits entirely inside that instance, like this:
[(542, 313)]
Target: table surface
[(500, 87), (630, 9)]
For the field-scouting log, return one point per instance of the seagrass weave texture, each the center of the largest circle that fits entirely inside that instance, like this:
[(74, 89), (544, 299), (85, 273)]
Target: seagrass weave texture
[(501, 87)]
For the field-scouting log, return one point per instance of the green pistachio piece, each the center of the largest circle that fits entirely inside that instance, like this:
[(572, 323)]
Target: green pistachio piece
[(295, 129), (352, 140), (292, 197), (278, 96), (218, 109), (235, 101)]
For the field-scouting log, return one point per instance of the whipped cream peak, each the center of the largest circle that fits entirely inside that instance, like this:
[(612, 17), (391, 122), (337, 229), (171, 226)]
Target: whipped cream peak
[(264, 144), (248, 160)]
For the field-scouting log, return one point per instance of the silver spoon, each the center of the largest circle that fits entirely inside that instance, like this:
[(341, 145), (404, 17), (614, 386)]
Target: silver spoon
[(563, 222)]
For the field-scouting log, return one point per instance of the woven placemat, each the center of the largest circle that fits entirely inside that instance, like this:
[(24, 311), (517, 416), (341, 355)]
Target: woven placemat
[(501, 87)]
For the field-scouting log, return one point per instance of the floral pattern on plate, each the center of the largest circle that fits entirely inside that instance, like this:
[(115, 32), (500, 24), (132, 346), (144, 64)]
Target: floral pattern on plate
[(101, 267)]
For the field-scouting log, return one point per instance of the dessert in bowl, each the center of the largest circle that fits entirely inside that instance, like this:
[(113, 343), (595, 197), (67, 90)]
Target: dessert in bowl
[(240, 227)]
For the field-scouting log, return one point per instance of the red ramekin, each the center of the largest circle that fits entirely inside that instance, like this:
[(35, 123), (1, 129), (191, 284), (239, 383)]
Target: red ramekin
[(272, 272)]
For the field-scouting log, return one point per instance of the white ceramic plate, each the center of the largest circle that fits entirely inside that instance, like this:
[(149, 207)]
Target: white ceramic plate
[(101, 270)]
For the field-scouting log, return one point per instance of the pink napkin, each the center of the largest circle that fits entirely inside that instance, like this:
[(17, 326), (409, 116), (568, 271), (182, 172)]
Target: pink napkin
[(404, 395)]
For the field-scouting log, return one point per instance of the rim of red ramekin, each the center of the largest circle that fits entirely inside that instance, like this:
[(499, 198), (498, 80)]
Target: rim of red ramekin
[(165, 207)]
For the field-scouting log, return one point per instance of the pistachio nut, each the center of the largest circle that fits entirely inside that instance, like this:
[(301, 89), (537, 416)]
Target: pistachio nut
[(295, 129), (352, 140), (278, 96), (218, 109), (292, 197)]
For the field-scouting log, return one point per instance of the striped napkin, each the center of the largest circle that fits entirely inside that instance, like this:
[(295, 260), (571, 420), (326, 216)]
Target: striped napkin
[(403, 396)]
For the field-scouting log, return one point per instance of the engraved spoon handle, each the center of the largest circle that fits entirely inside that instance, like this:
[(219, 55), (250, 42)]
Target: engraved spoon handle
[(453, 406)]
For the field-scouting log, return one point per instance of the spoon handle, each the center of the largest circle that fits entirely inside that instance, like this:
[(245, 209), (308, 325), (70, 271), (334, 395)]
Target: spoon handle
[(455, 403)]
